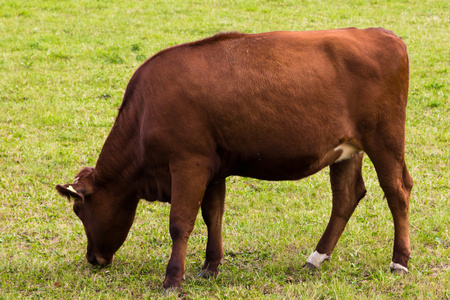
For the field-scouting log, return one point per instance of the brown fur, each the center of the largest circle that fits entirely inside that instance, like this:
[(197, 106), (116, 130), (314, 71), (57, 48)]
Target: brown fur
[(271, 106)]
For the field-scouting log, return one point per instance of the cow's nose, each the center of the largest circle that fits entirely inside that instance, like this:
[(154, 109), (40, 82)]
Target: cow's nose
[(102, 261), (97, 260), (92, 259)]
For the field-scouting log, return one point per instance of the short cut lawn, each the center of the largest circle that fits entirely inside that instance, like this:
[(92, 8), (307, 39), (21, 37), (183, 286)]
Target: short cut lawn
[(64, 66)]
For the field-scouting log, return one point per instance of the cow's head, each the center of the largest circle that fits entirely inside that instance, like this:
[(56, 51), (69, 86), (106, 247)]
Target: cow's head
[(107, 216)]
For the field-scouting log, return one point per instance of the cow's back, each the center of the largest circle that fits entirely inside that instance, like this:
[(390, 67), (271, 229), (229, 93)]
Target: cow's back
[(279, 98)]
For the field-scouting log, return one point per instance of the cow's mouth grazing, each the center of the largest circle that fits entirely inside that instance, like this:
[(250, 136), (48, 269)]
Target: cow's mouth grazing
[(97, 260)]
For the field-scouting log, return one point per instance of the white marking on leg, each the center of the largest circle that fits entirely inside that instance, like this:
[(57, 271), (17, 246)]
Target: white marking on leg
[(396, 266), (347, 151), (317, 259)]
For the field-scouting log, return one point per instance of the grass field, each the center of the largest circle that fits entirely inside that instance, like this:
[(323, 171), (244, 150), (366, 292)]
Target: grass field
[(64, 66)]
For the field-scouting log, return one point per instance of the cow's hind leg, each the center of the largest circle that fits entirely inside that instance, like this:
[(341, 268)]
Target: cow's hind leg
[(213, 207), (348, 188), (396, 183)]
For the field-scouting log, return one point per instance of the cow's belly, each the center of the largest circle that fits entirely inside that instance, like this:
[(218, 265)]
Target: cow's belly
[(267, 167)]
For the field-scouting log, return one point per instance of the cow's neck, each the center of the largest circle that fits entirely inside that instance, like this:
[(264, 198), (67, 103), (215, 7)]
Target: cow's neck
[(118, 165)]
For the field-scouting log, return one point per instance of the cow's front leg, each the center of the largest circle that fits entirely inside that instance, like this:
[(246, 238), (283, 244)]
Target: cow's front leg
[(348, 188), (213, 207), (188, 187)]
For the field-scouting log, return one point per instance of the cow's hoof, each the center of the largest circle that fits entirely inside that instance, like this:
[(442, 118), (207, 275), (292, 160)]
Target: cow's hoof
[(398, 269), (172, 291), (399, 272), (310, 266), (206, 274)]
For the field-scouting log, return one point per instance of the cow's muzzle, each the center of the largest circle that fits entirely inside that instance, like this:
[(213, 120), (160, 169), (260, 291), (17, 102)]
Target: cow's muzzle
[(97, 260)]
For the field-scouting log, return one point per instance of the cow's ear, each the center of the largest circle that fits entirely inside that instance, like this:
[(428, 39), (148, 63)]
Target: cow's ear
[(81, 187), (71, 191)]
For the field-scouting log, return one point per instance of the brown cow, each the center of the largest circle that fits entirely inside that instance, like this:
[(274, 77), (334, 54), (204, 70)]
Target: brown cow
[(273, 106)]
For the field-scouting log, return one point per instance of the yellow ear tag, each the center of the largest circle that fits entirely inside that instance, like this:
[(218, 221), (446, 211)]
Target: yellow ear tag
[(70, 188)]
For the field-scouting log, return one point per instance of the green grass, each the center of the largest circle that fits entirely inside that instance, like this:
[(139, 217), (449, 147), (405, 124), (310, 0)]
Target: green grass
[(64, 66)]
